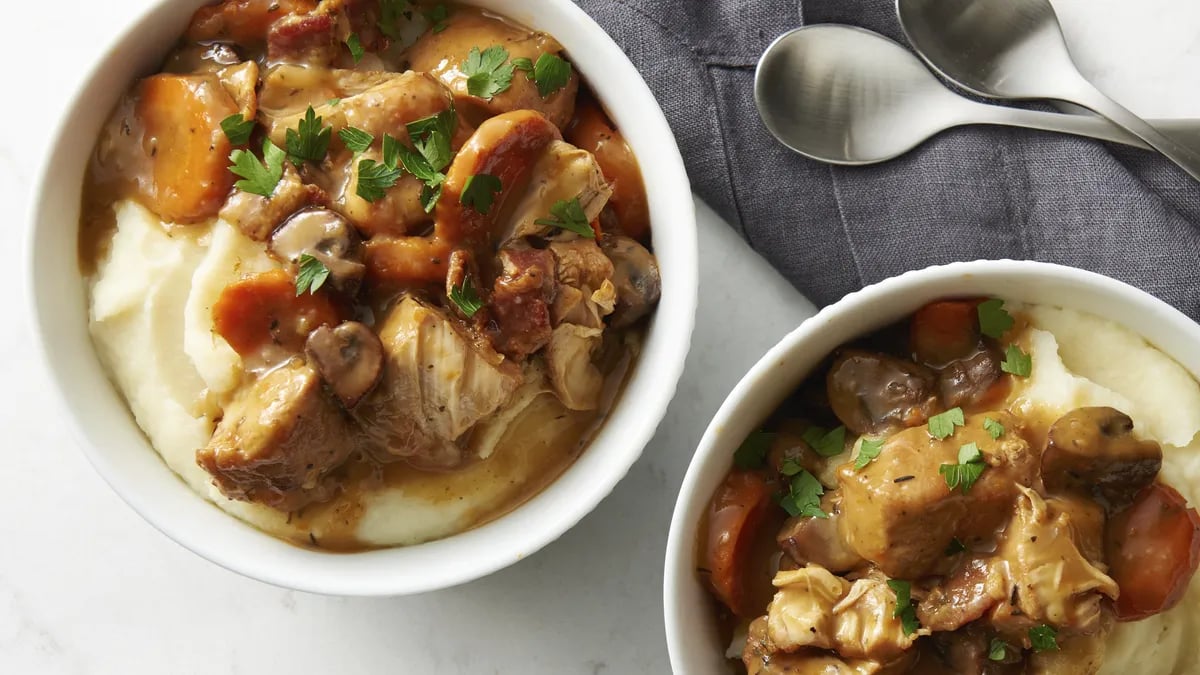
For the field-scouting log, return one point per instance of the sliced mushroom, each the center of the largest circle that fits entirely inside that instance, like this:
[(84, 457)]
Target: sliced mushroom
[(326, 236), (636, 276), (1094, 449), (349, 358)]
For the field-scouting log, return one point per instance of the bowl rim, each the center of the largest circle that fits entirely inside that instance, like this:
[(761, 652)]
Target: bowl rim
[(387, 573), (715, 447)]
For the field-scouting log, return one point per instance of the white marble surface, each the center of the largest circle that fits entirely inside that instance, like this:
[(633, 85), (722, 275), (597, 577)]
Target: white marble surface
[(87, 587)]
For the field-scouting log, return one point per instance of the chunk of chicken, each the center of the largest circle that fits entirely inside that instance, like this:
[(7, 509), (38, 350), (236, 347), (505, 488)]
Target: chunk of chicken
[(279, 440), (760, 658), (258, 216), (586, 293), (577, 381), (443, 53), (819, 540), (971, 590), (438, 381), (815, 609), (899, 512), (562, 173), (1051, 580)]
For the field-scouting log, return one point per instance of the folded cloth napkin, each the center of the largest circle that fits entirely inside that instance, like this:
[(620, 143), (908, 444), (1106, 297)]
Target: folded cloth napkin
[(970, 193)]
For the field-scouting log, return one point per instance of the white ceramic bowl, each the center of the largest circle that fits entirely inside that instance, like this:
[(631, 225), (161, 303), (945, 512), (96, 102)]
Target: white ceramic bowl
[(691, 630), (106, 430)]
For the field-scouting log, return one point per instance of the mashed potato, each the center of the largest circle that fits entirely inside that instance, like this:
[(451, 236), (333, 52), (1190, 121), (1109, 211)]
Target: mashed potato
[(1083, 360), (151, 320)]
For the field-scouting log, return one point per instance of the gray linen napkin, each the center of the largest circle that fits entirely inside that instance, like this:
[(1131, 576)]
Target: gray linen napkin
[(970, 193)]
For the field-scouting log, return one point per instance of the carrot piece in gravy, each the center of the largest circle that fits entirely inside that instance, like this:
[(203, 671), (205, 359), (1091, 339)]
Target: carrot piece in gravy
[(263, 309), (944, 331), (736, 514), (592, 131), (1154, 549)]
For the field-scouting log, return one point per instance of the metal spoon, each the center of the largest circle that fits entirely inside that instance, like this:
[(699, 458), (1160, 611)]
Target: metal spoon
[(1014, 49), (845, 95)]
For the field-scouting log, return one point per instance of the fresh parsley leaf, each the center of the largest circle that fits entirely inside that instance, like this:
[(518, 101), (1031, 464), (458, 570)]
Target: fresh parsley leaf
[(487, 74), (437, 16), (334, 101), (994, 428), (1043, 638), (826, 443), (568, 215), (941, 426), (523, 64), (968, 470), (467, 299), (237, 129), (955, 547), (998, 650), (868, 450), (430, 194), (752, 453), (375, 178), (356, 140), (258, 177), (480, 191), (804, 496), (551, 73), (905, 611), (418, 166), (355, 45), (1017, 362), (390, 13), (790, 467), (994, 320), (311, 141), (391, 151), (431, 137), (312, 275)]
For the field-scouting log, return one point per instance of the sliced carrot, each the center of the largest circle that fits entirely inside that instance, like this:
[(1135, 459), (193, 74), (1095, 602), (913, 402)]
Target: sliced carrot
[(1153, 552), (263, 310), (188, 150), (944, 331), (736, 514), (591, 130)]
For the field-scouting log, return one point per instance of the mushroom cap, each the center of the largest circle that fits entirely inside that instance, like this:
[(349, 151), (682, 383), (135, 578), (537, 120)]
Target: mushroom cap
[(326, 236), (349, 359)]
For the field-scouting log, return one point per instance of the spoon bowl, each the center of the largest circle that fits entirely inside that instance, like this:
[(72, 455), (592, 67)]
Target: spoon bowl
[(1015, 49), (845, 95)]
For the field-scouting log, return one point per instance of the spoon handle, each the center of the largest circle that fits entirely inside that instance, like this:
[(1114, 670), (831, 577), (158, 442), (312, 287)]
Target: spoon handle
[(1078, 125), (1088, 96)]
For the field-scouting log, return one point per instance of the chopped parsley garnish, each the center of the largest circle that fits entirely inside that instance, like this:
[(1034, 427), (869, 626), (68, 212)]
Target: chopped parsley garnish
[(826, 443), (310, 142), (550, 73), (1017, 362), (356, 140), (480, 191), (312, 275), (804, 496), (237, 129), (968, 470), (905, 611), (465, 297), (354, 44), (955, 547), (437, 16), (390, 13), (431, 138), (374, 178), (258, 177), (994, 428), (994, 320), (752, 453), (568, 215), (487, 72), (998, 650), (867, 452), (1043, 638), (941, 426), (334, 101), (790, 467)]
